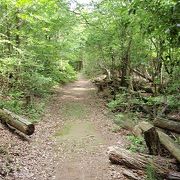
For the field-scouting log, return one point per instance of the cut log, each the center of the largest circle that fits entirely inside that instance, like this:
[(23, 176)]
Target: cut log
[(137, 131), (145, 126), (16, 122), (164, 139), (152, 141), (140, 161), (167, 124)]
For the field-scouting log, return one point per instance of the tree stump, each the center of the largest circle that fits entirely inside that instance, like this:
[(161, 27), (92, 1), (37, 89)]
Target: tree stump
[(152, 141)]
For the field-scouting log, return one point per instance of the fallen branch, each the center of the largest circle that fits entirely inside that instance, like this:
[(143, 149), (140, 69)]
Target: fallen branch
[(142, 75)]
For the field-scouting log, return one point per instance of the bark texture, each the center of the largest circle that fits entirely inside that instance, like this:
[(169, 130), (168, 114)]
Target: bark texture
[(16, 122)]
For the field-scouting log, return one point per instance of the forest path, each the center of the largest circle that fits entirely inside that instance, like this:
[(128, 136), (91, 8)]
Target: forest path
[(86, 133), (69, 143)]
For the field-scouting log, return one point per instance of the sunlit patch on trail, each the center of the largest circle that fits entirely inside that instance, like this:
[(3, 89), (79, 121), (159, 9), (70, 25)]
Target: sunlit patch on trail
[(71, 97), (83, 89), (74, 111), (79, 133)]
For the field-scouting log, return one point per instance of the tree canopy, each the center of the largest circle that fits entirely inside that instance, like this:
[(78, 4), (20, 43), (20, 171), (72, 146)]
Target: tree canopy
[(41, 41)]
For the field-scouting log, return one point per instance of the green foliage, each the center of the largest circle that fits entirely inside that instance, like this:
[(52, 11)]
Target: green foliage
[(67, 74), (35, 110), (120, 101), (124, 102), (34, 50), (144, 33), (39, 40), (13, 102), (171, 100), (137, 144)]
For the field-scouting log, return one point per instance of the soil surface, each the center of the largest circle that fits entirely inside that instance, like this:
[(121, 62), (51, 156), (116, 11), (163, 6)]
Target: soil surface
[(70, 142)]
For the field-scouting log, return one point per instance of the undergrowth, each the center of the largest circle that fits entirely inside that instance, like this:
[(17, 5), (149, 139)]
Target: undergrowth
[(27, 93), (137, 144), (33, 110)]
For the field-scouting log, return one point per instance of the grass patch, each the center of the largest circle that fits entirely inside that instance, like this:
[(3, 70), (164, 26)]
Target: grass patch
[(64, 131), (74, 111)]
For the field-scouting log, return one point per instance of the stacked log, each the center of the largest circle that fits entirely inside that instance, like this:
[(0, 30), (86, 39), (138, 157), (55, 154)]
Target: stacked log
[(156, 137), (156, 140), (164, 167)]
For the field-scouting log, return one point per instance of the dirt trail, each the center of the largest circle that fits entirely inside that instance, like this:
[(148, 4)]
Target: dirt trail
[(85, 136), (69, 143)]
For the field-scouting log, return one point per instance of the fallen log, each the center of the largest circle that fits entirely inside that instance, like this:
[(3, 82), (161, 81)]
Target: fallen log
[(164, 139), (167, 124), (141, 161), (169, 144), (16, 122)]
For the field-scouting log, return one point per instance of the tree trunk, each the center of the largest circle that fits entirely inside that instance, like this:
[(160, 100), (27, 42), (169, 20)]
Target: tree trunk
[(17, 122), (141, 161), (17, 29), (8, 34), (167, 124), (125, 66)]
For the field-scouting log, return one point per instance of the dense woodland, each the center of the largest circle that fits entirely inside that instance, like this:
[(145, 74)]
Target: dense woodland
[(136, 44), (129, 48)]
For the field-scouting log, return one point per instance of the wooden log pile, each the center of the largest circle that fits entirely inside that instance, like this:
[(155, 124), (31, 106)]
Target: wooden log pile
[(158, 142), (164, 167), (155, 138)]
